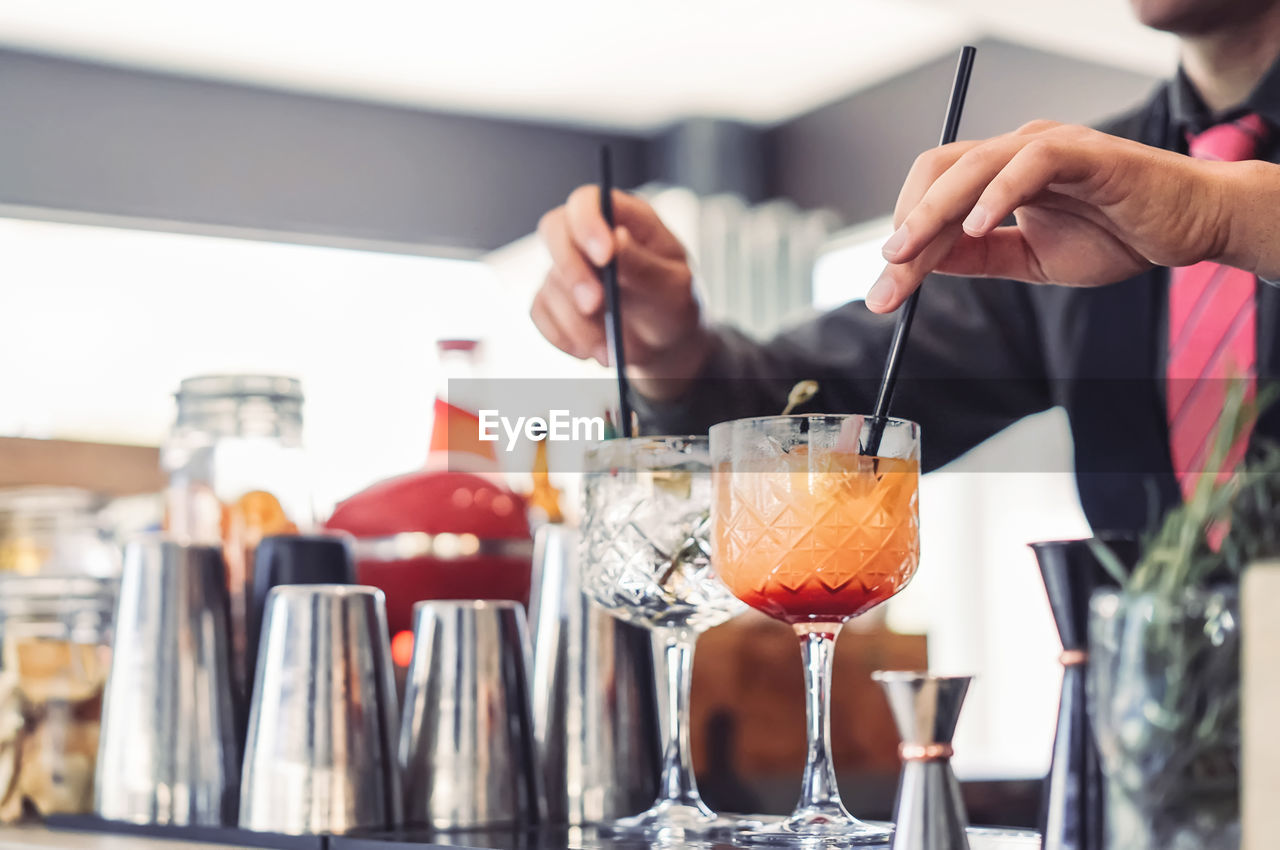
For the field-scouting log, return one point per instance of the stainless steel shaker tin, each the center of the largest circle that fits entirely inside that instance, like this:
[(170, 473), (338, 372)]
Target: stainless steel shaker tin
[(320, 751), (168, 752), (595, 698), (467, 750)]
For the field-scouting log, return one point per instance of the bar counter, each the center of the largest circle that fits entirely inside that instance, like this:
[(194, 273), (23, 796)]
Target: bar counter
[(40, 838)]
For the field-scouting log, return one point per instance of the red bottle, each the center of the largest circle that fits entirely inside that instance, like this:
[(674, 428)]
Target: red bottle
[(451, 530)]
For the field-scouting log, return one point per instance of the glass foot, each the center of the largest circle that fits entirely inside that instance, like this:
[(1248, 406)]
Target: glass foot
[(672, 818), (818, 828)]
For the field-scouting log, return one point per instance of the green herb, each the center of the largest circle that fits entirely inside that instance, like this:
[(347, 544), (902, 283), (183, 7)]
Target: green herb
[(1167, 683)]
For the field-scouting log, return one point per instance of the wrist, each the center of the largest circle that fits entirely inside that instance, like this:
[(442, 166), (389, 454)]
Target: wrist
[(667, 376), (1250, 195)]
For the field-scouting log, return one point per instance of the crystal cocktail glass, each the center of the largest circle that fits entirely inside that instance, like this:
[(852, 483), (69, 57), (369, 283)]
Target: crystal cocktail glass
[(812, 530), (647, 558)]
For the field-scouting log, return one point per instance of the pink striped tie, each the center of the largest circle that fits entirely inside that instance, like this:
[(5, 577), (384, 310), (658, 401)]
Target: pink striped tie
[(1212, 328)]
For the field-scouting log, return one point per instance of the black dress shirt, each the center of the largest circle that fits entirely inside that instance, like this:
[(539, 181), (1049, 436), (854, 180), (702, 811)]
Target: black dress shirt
[(985, 353)]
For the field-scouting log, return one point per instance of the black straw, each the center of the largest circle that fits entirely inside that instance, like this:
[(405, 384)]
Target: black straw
[(613, 300), (908, 312)]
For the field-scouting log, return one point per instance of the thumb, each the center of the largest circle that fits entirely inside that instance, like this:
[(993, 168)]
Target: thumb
[(1003, 252)]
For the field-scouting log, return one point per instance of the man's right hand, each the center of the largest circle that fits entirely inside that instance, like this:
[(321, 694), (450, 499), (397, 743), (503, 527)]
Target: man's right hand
[(666, 342)]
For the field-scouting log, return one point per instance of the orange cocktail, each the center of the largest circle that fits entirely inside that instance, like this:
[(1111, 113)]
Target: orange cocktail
[(814, 521), (818, 538)]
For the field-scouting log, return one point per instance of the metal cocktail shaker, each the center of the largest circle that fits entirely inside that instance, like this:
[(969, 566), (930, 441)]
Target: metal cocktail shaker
[(169, 750), (595, 703), (320, 755), (467, 751)]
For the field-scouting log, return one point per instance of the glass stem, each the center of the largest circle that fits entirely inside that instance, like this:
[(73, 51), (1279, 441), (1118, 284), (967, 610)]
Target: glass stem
[(678, 783), (818, 789)]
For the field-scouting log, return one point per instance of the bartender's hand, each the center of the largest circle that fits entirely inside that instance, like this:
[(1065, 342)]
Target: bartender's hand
[(666, 342), (1090, 209)]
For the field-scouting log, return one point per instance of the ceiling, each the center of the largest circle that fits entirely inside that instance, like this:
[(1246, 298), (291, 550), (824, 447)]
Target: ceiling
[(626, 65)]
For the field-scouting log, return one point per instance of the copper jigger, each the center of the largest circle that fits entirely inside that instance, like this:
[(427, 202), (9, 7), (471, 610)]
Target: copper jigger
[(930, 812)]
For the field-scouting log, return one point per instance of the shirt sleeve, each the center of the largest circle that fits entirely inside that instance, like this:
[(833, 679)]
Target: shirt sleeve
[(973, 365)]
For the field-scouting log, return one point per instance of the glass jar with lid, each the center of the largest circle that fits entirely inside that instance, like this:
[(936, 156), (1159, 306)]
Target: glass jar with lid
[(55, 530), (237, 473), (55, 639)]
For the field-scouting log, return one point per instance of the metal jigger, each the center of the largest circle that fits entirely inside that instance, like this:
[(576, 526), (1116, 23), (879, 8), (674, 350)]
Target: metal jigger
[(467, 749), (320, 756), (169, 749), (929, 813), (1072, 807)]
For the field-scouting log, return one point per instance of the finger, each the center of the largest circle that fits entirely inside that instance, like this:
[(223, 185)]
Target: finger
[(927, 168), (1039, 125), (588, 229), (586, 333), (566, 297), (1031, 170), (932, 163), (657, 295), (585, 294), (899, 280), (570, 266), (586, 225), (548, 326), (952, 195), (565, 327)]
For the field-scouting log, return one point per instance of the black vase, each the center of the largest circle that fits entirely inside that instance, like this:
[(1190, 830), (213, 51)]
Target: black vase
[(1071, 808)]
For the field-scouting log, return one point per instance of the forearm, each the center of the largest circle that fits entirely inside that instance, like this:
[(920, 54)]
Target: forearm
[(738, 378)]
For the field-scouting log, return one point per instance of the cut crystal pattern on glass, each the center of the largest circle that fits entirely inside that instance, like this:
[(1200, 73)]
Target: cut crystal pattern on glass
[(647, 547)]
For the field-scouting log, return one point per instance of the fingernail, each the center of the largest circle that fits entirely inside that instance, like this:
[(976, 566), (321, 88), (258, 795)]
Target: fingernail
[(584, 296), (602, 356), (895, 243), (881, 291), (598, 250), (976, 223)]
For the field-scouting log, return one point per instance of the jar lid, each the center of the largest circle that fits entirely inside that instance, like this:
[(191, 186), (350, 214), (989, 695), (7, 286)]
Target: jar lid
[(272, 387)]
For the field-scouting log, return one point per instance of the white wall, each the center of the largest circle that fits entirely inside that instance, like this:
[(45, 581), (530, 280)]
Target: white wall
[(98, 326)]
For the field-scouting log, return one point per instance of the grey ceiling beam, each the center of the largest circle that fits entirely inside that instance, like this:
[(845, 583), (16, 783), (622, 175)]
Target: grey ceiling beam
[(108, 145)]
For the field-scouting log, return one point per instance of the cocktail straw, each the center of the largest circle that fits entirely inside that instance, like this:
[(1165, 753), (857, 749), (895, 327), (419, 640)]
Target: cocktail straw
[(613, 301), (908, 312)]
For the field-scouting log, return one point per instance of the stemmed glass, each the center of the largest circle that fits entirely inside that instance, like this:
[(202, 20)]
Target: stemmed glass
[(811, 530), (647, 558)]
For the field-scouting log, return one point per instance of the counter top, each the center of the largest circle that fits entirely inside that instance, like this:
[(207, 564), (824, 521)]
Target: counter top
[(40, 838)]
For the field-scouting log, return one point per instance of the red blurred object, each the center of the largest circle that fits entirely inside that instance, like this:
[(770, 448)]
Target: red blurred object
[(402, 648), (485, 553), (440, 532)]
